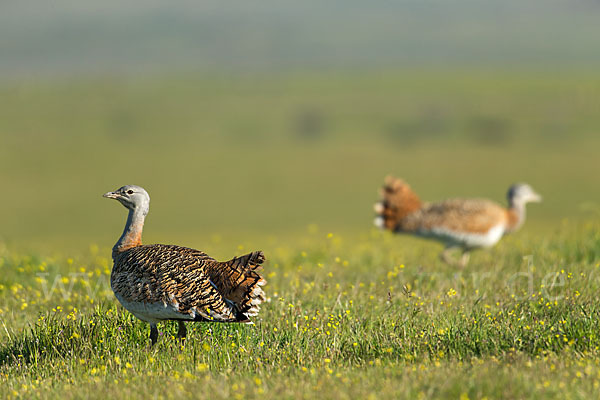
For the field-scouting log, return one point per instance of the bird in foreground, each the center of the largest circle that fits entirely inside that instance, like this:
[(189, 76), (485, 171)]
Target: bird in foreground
[(160, 282), (464, 224)]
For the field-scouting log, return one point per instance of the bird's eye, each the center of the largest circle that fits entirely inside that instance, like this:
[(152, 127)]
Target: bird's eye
[(130, 191)]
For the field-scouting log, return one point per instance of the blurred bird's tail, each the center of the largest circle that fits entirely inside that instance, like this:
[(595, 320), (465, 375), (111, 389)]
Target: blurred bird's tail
[(397, 201)]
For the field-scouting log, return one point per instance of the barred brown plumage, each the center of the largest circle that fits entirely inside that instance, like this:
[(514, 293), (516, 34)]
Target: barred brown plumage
[(166, 282), (458, 223)]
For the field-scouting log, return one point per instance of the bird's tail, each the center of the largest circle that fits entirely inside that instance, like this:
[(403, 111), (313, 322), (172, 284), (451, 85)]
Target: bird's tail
[(397, 201), (241, 284)]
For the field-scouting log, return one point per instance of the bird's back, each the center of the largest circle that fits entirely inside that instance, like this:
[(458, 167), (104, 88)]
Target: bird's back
[(468, 222)]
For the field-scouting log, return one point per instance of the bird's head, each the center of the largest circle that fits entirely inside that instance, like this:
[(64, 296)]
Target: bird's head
[(131, 196), (522, 193)]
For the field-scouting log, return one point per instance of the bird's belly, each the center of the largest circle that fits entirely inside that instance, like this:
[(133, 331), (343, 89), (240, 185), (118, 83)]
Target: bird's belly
[(153, 311), (145, 300), (466, 239)]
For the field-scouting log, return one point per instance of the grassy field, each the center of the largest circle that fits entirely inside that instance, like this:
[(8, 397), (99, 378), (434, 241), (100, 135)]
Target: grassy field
[(377, 316), (291, 165)]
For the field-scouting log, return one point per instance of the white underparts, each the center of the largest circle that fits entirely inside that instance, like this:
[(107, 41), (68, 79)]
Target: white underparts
[(160, 311), (465, 239), (153, 312)]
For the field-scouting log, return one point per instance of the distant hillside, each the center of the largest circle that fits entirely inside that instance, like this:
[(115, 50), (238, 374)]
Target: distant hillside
[(69, 36)]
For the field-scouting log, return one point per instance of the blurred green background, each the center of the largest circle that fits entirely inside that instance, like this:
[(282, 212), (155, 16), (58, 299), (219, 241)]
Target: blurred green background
[(274, 118)]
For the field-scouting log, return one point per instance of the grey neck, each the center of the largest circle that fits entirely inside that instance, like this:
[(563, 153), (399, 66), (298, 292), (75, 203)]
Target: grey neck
[(132, 234), (518, 209)]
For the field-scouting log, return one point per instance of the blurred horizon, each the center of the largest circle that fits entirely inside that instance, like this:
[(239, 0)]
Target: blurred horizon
[(67, 38), (266, 118)]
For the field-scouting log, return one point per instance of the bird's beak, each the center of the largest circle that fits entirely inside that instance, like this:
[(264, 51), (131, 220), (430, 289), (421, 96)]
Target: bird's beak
[(536, 198), (111, 195)]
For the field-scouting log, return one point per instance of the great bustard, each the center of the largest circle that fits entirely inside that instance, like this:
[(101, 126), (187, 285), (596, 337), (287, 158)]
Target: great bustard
[(458, 223), (160, 282)]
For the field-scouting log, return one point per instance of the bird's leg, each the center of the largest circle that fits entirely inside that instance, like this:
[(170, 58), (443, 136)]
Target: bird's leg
[(447, 257), (153, 333), (464, 259), (182, 332)]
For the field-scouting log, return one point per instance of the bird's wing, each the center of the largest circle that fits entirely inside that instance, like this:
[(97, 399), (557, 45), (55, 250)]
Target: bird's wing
[(457, 215), (172, 275)]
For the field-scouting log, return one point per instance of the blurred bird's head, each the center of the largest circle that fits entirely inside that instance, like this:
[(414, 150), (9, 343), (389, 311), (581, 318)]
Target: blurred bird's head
[(133, 197), (521, 194)]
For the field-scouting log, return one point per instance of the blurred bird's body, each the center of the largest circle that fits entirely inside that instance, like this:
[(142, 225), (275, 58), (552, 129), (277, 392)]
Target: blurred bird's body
[(166, 282), (458, 223)]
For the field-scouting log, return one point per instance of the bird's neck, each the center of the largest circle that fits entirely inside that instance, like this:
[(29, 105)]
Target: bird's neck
[(132, 234), (516, 215)]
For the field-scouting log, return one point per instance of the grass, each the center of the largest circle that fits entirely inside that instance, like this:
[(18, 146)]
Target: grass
[(291, 165), (377, 316)]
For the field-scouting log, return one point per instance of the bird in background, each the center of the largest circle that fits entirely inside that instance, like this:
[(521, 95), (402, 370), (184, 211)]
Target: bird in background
[(160, 282), (464, 224)]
